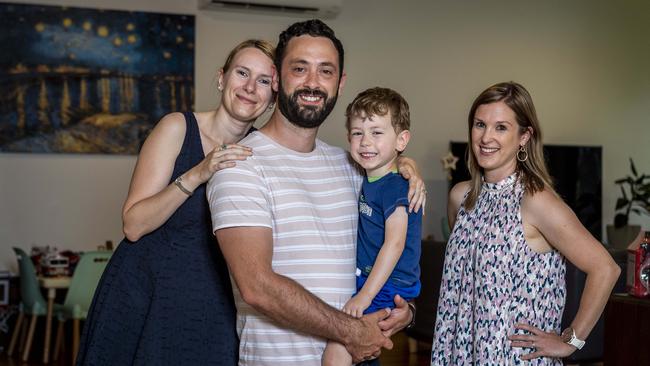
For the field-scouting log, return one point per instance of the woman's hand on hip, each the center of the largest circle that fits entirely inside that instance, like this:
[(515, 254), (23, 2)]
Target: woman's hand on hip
[(545, 344)]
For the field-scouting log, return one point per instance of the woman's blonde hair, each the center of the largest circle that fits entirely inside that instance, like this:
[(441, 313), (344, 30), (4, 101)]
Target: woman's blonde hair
[(532, 171), (265, 46)]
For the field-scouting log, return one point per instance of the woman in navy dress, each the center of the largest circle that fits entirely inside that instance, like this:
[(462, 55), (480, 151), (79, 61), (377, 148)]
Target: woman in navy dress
[(165, 297)]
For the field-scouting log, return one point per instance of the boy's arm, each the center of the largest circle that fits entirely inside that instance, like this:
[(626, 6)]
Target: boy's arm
[(391, 251), (417, 194)]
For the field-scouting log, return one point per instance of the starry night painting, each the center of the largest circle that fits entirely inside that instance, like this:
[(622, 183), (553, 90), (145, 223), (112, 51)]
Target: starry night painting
[(76, 80)]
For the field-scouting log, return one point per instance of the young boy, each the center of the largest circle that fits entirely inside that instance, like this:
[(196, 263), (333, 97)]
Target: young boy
[(388, 238)]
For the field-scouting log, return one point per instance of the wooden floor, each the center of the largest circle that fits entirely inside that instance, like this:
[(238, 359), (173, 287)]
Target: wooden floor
[(34, 360), (398, 356)]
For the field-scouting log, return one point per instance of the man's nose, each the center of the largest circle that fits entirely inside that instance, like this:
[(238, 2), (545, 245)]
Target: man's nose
[(311, 80)]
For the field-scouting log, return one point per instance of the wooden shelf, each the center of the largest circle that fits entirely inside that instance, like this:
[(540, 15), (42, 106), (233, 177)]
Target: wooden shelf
[(627, 331)]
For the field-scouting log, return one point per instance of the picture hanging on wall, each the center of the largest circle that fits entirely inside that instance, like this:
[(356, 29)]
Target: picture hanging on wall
[(76, 80)]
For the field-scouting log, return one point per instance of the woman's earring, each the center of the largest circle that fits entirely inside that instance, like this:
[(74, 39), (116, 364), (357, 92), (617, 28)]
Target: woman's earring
[(522, 154), (271, 106), (220, 87)]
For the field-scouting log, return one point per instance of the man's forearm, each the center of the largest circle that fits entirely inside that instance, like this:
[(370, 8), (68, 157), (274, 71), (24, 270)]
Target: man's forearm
[(292, 306), (249, 252)]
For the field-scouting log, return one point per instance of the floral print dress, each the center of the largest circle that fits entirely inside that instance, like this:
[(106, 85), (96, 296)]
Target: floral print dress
[(493, 280)]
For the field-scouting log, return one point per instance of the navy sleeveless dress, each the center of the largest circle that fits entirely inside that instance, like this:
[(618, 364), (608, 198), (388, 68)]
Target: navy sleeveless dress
[(166, 299)]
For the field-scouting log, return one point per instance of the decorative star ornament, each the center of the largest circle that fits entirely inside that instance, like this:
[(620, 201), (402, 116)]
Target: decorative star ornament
[(449, 163)]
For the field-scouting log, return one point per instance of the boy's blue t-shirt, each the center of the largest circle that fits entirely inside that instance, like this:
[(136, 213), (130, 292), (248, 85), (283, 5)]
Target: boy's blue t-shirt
[(377, 202)]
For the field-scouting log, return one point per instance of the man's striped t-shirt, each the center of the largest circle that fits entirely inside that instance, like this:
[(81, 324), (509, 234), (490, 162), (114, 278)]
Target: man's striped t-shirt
[(309, 200)]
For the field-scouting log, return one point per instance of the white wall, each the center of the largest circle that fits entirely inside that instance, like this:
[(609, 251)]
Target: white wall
[(585, 63)]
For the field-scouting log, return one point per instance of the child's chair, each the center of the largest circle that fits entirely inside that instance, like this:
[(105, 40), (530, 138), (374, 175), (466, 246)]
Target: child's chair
[(79, 297), (32, 302)]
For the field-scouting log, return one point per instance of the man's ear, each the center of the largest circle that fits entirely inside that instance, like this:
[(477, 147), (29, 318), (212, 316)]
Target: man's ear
[(276, 80), (344, 77), (403, 139)]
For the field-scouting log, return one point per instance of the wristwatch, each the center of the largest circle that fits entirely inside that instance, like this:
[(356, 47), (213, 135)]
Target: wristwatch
[(412, 308), (569, 337)]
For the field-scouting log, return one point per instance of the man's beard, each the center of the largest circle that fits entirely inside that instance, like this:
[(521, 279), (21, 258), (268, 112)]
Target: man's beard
[(305, 116)]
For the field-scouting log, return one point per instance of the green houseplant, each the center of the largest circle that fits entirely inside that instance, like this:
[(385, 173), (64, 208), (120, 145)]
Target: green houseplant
[(635, 198)]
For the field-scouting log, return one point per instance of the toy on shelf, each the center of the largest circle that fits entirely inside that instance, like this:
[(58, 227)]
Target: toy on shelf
[(49, 262)]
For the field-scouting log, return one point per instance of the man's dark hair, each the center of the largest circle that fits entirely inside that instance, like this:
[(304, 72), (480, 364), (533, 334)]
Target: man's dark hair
[(314, 28)]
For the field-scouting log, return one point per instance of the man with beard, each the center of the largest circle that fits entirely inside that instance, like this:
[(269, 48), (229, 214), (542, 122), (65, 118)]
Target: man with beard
[(286, 220)]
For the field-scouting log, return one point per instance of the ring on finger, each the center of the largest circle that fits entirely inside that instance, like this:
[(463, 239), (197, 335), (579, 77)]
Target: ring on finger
[(223, 147)]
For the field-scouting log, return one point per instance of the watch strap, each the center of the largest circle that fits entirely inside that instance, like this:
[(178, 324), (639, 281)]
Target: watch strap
[(575, 341), (413, 310)]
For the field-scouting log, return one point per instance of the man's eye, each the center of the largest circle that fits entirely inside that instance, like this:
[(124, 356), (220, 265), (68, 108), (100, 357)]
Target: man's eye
[(356, 134)]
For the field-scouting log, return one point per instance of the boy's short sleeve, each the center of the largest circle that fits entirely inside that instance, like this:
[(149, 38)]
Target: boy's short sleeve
[(395, 194)]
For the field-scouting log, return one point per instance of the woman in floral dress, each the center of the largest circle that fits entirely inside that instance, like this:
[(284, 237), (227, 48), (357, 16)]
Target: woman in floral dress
[(503, 290)]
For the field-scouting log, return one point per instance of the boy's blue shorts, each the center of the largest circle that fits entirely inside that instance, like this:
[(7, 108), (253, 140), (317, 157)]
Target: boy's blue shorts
[(385, 297)]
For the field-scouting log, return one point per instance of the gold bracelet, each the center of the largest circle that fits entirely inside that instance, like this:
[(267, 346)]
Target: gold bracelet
[(178, 184)]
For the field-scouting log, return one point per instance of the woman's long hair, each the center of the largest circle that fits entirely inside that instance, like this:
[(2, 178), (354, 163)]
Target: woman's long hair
[(532, 172)]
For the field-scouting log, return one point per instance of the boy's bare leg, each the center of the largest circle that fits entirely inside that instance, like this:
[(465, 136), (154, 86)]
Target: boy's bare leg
[(336, 355)]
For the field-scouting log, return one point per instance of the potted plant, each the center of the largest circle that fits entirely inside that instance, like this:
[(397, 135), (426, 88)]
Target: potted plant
[(635, 198)]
